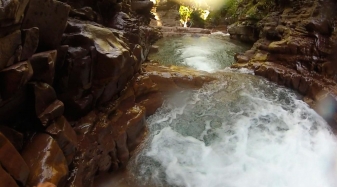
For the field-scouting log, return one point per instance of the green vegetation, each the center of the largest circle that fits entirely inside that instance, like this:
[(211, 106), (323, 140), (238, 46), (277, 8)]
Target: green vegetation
[(223, 11), (196, 18), (185, 13)]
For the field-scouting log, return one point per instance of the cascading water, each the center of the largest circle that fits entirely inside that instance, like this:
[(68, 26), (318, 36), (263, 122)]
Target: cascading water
[(236, 132)]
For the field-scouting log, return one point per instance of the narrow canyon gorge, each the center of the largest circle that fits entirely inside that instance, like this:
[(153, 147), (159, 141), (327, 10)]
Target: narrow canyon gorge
[(90, 89)]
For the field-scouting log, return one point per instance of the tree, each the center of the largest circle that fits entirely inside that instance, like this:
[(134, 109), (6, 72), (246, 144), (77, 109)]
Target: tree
[(185, 13)]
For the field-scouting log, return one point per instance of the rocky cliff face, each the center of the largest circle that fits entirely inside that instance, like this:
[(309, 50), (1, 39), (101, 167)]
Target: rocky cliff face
[(296, 47), (73, 96)]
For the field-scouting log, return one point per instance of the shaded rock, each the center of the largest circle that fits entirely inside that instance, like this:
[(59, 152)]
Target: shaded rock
[(45, 160), (138, 53), (6, 179), (12, 161), (142, 6), (61, 55), (30, 42), (123, 154), (44, 101), (85, 13), (97, 62), (154, 49), (44, 95), (39, 13), (122, 21), (8, 47), (127, 98), (43, 65), (13, 106), (53, 111), (15, 137), (65, 136), (14, 78), (244, 32), (11, 11)]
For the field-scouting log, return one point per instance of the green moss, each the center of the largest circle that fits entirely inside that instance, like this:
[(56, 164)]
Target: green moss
[(246, 9)]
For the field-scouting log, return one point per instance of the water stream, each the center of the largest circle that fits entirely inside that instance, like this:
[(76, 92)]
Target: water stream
[(238, 131), (207, 53)]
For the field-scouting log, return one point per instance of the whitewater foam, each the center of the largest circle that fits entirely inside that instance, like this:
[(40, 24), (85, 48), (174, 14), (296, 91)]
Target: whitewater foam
[(238, 132)]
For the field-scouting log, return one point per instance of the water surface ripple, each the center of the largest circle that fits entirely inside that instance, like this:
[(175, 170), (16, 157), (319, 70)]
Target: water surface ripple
[(238, 131)]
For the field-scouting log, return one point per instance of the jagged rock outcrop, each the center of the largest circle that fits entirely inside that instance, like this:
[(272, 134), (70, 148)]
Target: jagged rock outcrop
[(73, 94), (296, 48)]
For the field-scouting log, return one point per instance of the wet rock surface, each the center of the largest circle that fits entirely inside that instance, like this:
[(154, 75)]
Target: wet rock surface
[(73, 94), (12, 162), (296, 48), (45, 160)]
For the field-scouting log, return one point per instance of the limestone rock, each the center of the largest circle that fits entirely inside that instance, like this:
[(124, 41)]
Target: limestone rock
[(14, 78), (40, 13), (45, 160), (12, 161)]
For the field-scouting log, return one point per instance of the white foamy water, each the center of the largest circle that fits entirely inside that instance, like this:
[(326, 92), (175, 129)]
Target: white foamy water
[(240, 131)]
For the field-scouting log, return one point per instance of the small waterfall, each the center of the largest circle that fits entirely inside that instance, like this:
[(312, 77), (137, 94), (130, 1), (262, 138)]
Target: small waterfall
[(236, 132)]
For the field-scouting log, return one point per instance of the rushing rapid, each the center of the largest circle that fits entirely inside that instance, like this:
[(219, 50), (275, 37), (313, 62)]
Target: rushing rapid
[(207, 53), (238, 131)]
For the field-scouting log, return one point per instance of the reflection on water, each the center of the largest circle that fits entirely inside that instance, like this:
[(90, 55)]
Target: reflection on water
[(207, 53)]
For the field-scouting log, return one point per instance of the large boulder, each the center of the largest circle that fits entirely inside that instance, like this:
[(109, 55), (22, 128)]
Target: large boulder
[(65, 136), (15, 137), (30, 42), (142, 6), (44, 103), (50, 16), (43, 65), (45, 160), (9, 45), (6, 179), (12, 161), (14, 78), (11, 11), (97, 67)]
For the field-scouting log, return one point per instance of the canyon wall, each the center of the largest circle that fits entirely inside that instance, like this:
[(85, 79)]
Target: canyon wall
[(73, 92), (295, 45)]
